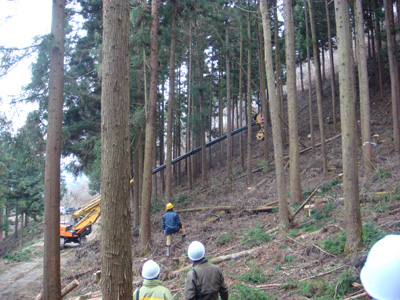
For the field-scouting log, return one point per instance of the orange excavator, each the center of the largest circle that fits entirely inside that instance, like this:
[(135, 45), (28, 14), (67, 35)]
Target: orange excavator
[(83, 220)]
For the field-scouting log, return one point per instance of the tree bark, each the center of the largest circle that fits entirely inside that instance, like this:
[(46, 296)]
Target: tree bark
[(295, 184), (189, 112), (349, 127), (116, 253), (240, 97), (393, 76), (168, 169), (332, 63), (310, 106), (145, 238), (276, 123), (249, 106), (364, 90), (229, 174), (319, 89), (51, 268)]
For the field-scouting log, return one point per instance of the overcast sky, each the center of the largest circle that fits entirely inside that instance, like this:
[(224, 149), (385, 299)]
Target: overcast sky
[(20, 21)]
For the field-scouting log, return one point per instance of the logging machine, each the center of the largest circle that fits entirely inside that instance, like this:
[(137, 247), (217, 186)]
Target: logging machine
[(82, 220)]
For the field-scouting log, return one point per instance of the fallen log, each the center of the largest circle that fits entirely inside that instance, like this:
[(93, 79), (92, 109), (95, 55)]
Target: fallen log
[(214, 260), (261, 208), (65, 291)]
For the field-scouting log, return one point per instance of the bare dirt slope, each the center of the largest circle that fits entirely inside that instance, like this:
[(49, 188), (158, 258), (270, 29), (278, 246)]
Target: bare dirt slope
[(307, 264)]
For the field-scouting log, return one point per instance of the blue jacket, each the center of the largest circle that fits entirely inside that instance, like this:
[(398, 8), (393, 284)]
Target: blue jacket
[(171, 222)]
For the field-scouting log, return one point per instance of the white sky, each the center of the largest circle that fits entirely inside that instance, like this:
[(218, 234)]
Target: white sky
[(20, 21)]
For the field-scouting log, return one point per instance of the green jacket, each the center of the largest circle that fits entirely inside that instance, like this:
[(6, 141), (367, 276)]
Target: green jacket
[(211, 282), (153, 290)]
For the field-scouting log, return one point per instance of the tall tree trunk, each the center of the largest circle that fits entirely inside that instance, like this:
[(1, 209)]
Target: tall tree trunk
[(1, 221), (51, 268), (319, 89), (276, 124), (377, 22), (229, 174), (393, 75), (116, 248), (301, 73), (332, 63), (249, 107), (221, 114), (240, 97), (161, 138), (264, 111), (189, 112), (278, 68), (310, 87), (349, 129), (295, 184), (16, 222), (145, 238), (168, 170), (364, 89)]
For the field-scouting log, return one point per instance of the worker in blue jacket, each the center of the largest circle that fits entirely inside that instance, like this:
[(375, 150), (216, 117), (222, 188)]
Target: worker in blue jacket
[(172, 224)]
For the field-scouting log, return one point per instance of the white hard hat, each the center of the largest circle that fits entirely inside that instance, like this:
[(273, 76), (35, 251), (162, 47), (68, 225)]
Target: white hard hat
[(150, 269), (196, 251), (380, 275)]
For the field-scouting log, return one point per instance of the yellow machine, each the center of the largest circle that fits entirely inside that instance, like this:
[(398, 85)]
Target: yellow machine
[(83, 220)]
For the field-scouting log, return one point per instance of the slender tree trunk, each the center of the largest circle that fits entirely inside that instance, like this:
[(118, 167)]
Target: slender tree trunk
[(332, 63), (221, 114), (319, 90), (16, 222), (349, 129), (264, 111), (249, 107), (116, 252), (278, 68), (161, 125), (377, 22), (145, 238), (301, 73), (240, 100), (51, 268), (168, 169), (323, 63), (310, 87), (364, 90), (276, 124), (295, 184), (229, 174), (393, 76), (1, 221)]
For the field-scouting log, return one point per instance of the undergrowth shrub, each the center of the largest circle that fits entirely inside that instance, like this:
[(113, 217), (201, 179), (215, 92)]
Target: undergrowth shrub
[(254, 275), (242, 292), (156, 204), (226, 238), (256, 236), (320, 215), (262, 163), (371, 235), (322, 189), (183, 200), (336, 245)]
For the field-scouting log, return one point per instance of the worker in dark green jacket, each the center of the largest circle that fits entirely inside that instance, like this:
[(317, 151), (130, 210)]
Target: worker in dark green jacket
[(205, 281), (152, 288)]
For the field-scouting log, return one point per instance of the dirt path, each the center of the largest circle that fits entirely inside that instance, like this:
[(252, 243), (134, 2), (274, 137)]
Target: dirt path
[(21, 280)]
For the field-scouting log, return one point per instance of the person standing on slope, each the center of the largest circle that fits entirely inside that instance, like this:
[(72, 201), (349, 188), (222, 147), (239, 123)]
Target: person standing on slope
[(151, 288), (172, 224), (205, 281)]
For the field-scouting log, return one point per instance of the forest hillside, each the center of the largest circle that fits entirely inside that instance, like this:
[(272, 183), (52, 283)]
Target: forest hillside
[(288, 208), (308, 264)]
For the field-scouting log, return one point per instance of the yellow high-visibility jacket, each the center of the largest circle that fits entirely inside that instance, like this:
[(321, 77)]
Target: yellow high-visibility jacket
[(153, 290)]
